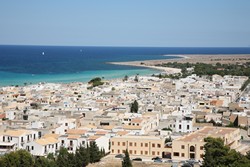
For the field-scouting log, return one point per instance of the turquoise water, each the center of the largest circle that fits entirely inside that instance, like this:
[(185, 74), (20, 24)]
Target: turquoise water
[(34, 64), (20, 79)]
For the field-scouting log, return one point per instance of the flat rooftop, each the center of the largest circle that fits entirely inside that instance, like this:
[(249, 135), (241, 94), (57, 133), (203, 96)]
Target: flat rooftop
[(206, 132)]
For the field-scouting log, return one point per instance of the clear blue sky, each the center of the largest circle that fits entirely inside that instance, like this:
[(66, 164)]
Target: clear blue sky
[(170, 23)]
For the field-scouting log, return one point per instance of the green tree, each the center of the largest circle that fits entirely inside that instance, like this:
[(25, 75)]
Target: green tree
[(41, 162), (94, 152), (248, 155), (136, 78), (169, 139), (82, 157), (63, 158), (96, 82), (25, 158), (214, 150), (216, 154), (126, 160), (134, 107), (20, 158), (125, 78), (11, 159)]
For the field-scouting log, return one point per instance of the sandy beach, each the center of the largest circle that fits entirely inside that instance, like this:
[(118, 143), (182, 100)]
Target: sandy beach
[(209, 59)]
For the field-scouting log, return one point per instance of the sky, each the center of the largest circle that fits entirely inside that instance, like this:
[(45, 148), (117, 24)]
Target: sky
[(156, 23)]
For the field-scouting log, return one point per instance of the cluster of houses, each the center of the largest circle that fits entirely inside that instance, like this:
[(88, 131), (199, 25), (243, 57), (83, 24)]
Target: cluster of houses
[(173, 118)]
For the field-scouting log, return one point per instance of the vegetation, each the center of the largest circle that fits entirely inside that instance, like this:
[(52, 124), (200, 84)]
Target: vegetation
[(125, 78), (169, 139), (35, 105), (208, 69), (216, 154), (136, 78), (172, 76), (126, 160), (81, 158), (134, 107), (95, 82), (169, 129), (245, 84)]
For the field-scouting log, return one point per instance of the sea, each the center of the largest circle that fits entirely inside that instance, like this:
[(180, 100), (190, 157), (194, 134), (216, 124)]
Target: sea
[(22, 65)]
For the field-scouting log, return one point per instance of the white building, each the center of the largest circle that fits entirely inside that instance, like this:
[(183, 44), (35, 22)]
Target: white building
[(101, 141), (184, 125), (43, 146), (72, 142), (19, 137)]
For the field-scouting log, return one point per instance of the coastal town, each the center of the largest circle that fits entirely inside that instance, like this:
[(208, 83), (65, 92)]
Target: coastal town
[(156, 120)]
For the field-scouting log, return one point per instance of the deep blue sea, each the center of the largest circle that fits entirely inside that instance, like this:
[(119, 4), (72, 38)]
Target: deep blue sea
[(33, 64)]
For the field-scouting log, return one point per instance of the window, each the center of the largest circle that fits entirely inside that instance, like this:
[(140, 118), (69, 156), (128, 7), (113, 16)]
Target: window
[(134, 151), (32, 147), (153, 153), (130, 151), (192, 155), (153, 145), (112, 143), (201, 155), (83, 142), (130, 144), (3, 139), (159, 145), (179, 126), (135, 144), (141, 144), (176, 154), (158, 153), (118, 151), (192, 148), (66, 124), (182, 147), (146, 152), (146, 144), (201, 147), (112, 150), (123, 151), (123, 143), (118, 143), (182, 155), (141, 152), (187, 127), (62, 141)]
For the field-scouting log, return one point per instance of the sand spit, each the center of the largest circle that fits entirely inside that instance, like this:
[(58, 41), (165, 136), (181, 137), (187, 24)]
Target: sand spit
[(208, 59)]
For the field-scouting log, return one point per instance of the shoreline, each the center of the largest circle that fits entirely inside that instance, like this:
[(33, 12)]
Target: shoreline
[(145, 64), (189, 58), (83, 77), (167, 70)]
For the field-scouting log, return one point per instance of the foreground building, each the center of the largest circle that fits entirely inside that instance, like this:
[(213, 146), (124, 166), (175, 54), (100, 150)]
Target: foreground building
[(148, 146), (191, 146)]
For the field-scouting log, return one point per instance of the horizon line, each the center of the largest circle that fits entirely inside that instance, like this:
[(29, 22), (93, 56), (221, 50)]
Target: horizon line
[(126, 46)]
